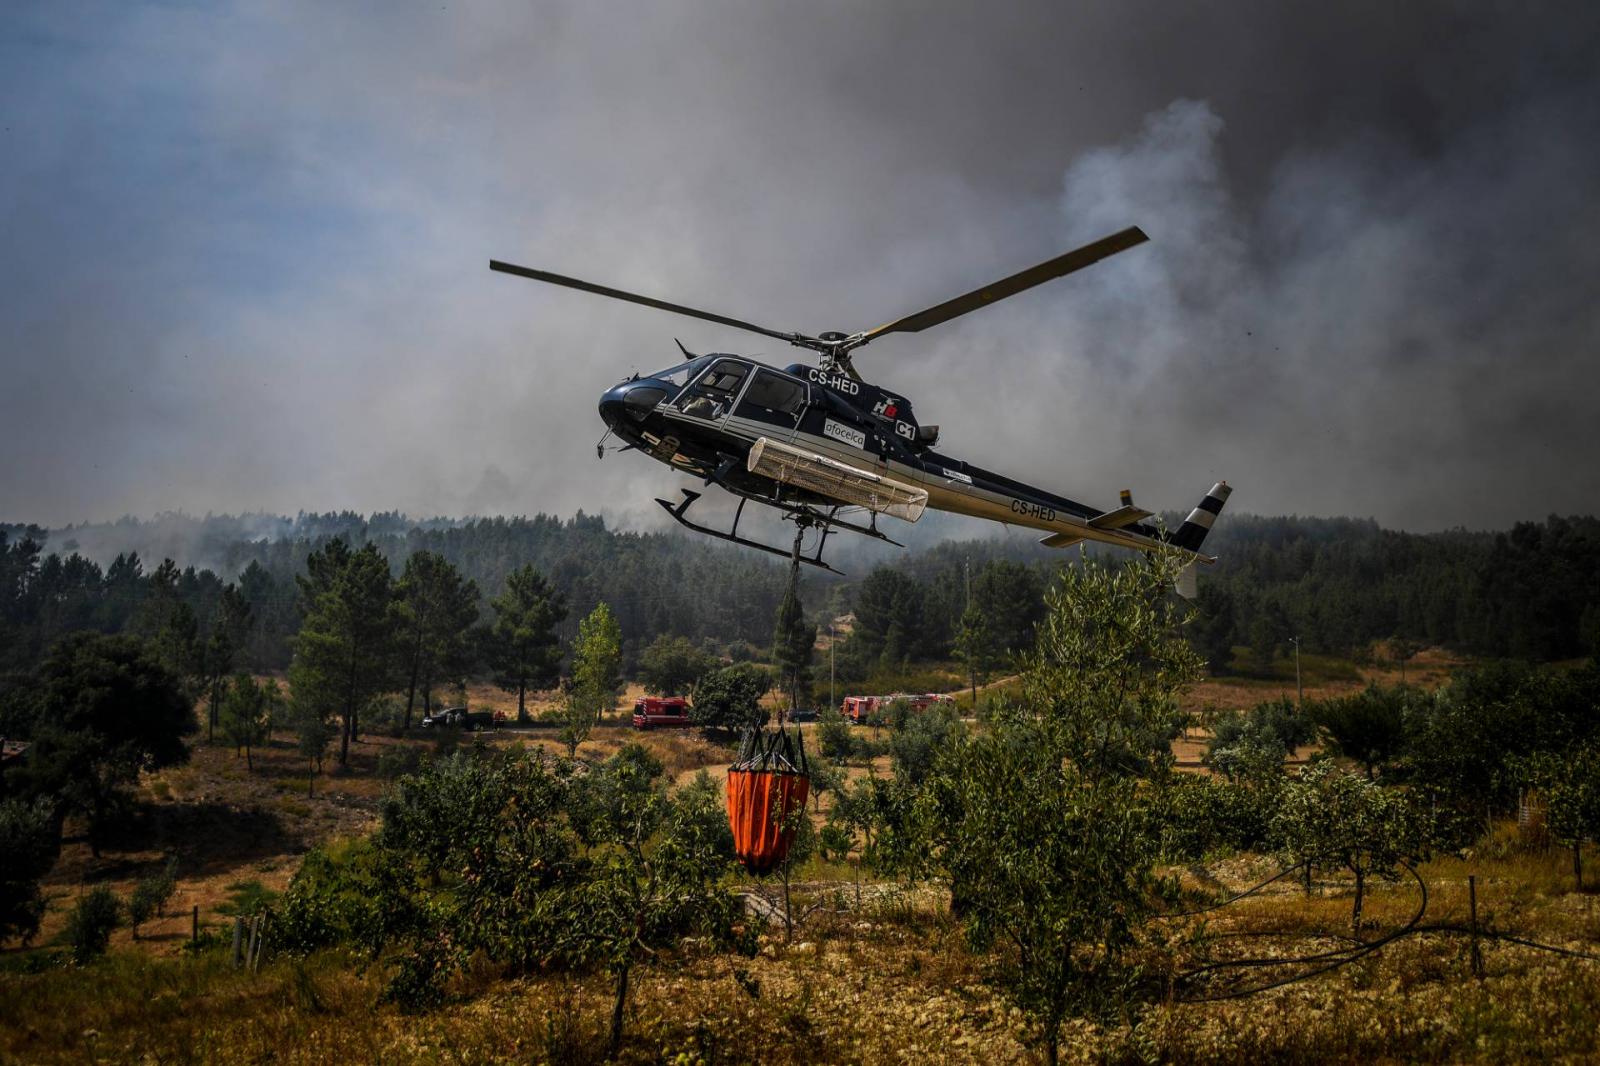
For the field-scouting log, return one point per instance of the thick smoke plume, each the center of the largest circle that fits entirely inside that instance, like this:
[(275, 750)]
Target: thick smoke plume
[(246, 251)]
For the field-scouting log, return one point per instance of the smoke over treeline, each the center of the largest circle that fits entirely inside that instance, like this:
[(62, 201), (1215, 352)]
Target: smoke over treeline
[(1337, 584), (245, 263)]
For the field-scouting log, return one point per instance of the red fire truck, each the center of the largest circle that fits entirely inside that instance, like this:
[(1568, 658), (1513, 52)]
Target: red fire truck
[(859, 708), (661, 712)]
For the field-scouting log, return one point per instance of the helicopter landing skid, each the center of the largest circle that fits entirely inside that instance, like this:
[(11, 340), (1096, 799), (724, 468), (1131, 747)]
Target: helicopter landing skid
[(803, 517)]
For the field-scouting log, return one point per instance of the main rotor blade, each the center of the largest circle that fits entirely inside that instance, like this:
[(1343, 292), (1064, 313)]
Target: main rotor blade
[(660, 305), (1027, 279)]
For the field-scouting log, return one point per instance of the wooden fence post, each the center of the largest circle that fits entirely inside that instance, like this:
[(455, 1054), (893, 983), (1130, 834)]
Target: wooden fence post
[(194, 929), (261, 941), (1472, 904), (238, 933), (250, 945)]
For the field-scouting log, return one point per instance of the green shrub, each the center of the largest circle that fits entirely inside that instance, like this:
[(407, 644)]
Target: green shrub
[(833, 736), (247, 898), (1198, 816), (519, 859), (91, 922), (30, 842), (399, 760), (150, 895), (337, 897), (919, 738), (1338, 820), (1256, 741)]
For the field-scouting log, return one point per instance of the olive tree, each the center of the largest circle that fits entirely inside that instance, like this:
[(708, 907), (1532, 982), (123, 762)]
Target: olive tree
[(1368, 727), (519, 857), (1254, 743), (655, 864), (1050, 871), (1339, 820), (1109, 665), (1037, 824), (1569, 783)]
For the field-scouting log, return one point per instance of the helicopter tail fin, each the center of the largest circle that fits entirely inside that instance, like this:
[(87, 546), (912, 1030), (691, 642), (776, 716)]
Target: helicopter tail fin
[(1193, 532)]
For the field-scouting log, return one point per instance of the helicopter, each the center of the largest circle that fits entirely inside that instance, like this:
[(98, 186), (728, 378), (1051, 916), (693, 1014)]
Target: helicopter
[(824, 446)]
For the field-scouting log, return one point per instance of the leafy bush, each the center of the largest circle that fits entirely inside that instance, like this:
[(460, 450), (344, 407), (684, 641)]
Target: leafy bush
[(920, 738), (150, 895), (1017, 826), (526, 861), (399, 760), (834, 738), (1199, 816), (1339, 820), (30, 842), (340, 895), (1466, 740), (729, 700), (1257, 741), (1038, 824), (876, 815), (1368, 727), (1569, 784), (91, 922)]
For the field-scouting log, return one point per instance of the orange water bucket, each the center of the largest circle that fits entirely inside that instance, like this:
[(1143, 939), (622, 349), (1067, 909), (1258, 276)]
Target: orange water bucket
[(761, 805)]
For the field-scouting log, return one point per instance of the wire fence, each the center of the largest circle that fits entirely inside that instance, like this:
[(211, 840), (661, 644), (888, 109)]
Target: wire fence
[(1188, 986)]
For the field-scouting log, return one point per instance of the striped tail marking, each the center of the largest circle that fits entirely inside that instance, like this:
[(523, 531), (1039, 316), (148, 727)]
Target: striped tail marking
[(1193, 532)]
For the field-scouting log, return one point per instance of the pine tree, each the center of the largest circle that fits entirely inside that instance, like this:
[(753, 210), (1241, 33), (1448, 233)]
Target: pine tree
[(344, 654), (596, 675), (437, 608), (793, 641), (522, 644), (975, 647), (247, 713), (230, 624)]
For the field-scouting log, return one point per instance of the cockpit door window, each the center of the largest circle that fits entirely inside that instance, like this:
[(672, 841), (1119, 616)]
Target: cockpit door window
[(711, 395), (773, 400)]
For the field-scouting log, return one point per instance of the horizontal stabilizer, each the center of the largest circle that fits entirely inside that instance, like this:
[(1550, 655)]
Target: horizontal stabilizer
[(1060, 540), (1125, 515)]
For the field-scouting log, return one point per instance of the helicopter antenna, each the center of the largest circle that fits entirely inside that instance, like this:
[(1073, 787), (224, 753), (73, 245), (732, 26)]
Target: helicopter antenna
[(835, 347)]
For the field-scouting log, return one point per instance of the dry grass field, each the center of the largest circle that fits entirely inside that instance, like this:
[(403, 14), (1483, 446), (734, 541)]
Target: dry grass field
[(882, 978), (873, 973)]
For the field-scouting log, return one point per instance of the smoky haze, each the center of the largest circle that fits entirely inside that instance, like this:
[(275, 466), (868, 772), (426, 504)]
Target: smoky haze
[(246, 248)]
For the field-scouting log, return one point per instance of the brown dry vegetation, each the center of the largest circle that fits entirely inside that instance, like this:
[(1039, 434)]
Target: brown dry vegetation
[(883, 980), (228, 824), (873, 975)]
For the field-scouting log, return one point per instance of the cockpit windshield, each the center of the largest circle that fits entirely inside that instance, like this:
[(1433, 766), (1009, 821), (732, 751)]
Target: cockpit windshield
[(680, 374)]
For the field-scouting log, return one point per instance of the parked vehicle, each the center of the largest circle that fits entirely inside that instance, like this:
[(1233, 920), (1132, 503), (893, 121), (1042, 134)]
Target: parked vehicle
[(461, 718), (860, 708), (444, 718), (661, 712)]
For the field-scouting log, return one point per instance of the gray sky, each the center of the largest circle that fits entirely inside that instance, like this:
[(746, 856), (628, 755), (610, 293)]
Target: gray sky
[(246, 245)]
